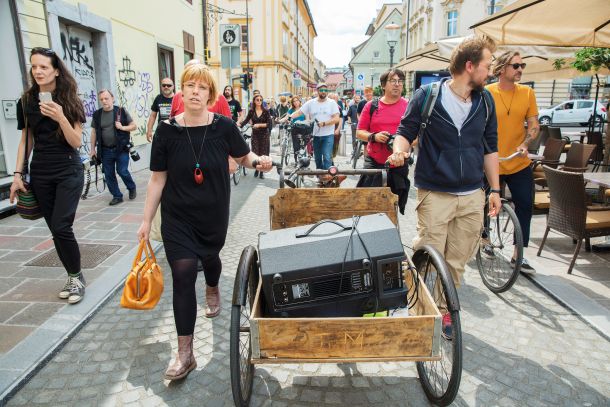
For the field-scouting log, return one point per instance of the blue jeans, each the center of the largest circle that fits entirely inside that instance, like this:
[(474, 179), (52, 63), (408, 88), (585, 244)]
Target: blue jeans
[(323, 151), (114, 160)]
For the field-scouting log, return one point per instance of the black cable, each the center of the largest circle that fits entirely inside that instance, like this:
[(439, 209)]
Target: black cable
[(349, 241)]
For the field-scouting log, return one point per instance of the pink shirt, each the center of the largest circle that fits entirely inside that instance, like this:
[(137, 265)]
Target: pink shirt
[(385, 118)]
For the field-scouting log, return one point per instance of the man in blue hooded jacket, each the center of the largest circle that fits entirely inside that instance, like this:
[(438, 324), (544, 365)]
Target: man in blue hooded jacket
[(457, 148)]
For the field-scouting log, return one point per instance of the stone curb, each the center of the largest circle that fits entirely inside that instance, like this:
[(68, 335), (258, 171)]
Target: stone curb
[(26, 359)]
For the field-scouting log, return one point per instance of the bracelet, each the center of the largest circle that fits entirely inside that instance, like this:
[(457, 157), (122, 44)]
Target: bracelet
[(17, 172), (372, 137), (497, 191)]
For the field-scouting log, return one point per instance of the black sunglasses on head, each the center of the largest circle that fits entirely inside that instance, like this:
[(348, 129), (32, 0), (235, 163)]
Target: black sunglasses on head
[(167, 85), (517, 66), (42, 50)]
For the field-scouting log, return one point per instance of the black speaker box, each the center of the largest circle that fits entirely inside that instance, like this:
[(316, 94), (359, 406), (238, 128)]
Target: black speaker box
[(333, 268)]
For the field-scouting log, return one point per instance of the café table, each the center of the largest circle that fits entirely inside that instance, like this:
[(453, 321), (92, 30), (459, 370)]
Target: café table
[(603, 180), (580, 134)]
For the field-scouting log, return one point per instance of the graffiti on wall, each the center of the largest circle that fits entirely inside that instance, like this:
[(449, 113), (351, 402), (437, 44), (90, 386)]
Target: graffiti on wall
[(135, 94), (77, 54)]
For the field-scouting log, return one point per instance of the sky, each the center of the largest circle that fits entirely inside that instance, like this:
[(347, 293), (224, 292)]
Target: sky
[(341, 25)]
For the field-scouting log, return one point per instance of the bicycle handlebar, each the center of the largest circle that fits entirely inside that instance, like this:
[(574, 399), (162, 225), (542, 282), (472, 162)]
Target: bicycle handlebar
[(510, 157)]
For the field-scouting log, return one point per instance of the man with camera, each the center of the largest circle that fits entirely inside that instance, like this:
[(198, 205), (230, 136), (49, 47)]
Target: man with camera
[(111, 144)]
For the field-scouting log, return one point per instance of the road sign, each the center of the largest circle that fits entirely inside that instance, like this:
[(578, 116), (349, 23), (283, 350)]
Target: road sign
[(230, 35), (360, 77)]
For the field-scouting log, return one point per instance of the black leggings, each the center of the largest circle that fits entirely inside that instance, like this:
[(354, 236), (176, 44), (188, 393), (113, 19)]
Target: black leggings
[(184, 276)]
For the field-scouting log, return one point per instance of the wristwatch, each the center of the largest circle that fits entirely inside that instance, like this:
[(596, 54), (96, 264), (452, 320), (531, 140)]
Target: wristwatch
[(497, 191)]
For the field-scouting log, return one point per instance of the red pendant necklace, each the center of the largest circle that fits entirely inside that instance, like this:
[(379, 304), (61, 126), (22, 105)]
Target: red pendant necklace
[(197, 173)]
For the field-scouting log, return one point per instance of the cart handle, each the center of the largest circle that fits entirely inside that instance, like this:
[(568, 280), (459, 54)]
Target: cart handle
[(311, 229)]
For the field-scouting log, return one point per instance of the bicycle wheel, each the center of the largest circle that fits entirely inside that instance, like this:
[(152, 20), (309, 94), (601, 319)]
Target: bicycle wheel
[(244, 289), (237, 175), (356, 153), (496, 251), (441, 379), (288, 150), (243, 168)]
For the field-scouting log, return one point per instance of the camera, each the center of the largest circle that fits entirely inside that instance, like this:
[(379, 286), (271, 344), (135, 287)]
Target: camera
[(133, 153)]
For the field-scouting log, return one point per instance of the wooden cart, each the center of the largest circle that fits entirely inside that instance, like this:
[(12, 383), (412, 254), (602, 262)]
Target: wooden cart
[(256, 339)]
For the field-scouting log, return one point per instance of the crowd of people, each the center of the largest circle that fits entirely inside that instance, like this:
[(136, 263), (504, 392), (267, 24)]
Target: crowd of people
[(197, 143)]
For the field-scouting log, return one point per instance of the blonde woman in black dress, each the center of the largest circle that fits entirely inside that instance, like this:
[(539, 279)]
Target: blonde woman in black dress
[(190, 177), (261, 128)]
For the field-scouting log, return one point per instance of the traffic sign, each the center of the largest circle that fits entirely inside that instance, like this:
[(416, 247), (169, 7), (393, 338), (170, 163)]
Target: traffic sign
[(230, 35), (360, 77)]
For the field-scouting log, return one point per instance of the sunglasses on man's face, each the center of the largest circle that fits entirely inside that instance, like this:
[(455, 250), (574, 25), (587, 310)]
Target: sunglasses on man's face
[(167, 85), (323, 90), (517, 66)]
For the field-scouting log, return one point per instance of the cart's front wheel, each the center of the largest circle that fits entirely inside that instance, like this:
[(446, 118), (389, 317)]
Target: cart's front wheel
[(441, 379), (244, 289)]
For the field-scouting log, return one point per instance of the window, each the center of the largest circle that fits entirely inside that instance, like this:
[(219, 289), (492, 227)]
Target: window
[(452, 17), (586, 104), (375, 54), (285, 44), (244, 37), (166, 62), (189, 46), (492, 7), (187, 56)]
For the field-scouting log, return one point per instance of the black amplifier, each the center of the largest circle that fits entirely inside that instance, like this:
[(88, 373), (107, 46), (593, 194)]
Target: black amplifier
[(347, 267)]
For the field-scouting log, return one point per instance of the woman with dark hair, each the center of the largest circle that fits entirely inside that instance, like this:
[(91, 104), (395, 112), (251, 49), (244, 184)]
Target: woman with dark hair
[(261, 127), (53, 127)]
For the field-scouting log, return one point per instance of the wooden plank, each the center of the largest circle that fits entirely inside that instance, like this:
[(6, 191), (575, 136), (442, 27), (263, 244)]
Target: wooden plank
[(359, 338), (342, 360), (296, 207)]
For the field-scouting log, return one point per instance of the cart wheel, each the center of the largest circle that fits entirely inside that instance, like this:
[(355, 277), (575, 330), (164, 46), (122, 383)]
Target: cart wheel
[(441, 379), (244, 289)]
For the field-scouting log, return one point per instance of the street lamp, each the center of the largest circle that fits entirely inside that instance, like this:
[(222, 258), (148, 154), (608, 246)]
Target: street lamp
[(392, 32)]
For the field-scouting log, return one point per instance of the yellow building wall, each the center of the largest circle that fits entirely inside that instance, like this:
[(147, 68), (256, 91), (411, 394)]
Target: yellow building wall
[(137, 27), (33, 25)]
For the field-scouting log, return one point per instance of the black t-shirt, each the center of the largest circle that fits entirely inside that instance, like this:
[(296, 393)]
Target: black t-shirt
[(235, 107), (361, 105), (195, 217), (163, 106), (46, 139)]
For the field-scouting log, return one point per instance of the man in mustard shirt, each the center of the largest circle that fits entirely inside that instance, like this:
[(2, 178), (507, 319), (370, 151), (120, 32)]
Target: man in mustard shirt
[(515, 105)]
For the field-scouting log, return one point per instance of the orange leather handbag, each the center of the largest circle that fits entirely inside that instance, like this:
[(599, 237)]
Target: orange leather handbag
[(144, 284)]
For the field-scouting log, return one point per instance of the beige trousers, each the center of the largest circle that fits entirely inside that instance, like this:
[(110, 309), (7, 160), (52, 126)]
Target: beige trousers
[(451, 224)]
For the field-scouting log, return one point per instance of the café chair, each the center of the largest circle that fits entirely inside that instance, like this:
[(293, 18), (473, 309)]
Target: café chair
[(569, 213)]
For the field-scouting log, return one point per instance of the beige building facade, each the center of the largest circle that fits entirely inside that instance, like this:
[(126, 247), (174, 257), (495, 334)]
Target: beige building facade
[(427, 21), (281, 35)]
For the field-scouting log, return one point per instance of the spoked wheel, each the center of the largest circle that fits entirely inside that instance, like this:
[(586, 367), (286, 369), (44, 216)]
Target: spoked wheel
[(244, 289), (237, 174), (243, 168), (441, 379), (496, 250), (287, 151), (356, 153)]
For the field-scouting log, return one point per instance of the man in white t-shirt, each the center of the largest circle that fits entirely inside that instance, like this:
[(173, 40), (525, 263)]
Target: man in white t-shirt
[(326, 113)]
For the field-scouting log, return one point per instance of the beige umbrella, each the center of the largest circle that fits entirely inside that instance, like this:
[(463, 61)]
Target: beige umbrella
[(582, 23), (425, 59)]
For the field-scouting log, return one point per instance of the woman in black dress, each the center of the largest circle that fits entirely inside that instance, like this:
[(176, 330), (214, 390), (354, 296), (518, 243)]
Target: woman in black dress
[(54, 133), (261, 127), (190, 177)]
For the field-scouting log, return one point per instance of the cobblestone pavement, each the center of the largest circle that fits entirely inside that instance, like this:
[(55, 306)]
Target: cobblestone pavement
[(519, 349)]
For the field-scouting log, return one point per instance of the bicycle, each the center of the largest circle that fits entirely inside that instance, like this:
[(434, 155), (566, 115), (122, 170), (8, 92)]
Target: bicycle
[(495, 252), (236, 176), (285, 143)]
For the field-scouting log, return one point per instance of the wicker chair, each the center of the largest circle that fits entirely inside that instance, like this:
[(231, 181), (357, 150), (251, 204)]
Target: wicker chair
[(568, 212), (595, 138), (555, 133), (577, 160), (552, 152)]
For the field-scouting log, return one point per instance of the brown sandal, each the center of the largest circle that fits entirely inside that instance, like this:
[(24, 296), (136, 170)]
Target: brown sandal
[(212, 301)]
